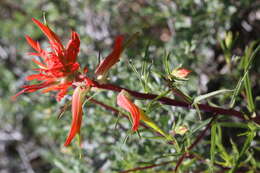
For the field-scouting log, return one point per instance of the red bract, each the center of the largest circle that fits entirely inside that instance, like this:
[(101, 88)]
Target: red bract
[(77, 101), (111, 59), (57, 67), (181, 73), (123, 100)]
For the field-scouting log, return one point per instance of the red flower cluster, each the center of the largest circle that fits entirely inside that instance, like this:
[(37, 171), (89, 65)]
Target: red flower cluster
[(59, 70)]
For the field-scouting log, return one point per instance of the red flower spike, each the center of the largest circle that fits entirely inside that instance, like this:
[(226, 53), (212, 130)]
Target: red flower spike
[(123, 100), (111, 59), (181, 73), (77, 101), (57, 69)]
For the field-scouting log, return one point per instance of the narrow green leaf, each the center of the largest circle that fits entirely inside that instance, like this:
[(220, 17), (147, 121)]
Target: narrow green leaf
[(143, 76), (151, 124), (233, 125), (221, 149), (250, 136), (247, 65), (211, 94), (250, 100), (166, 64), (145, 69), (137, 73), (156, 128), (213, 146), (199, 126), (235, 152), (237, 91), (151, 103)]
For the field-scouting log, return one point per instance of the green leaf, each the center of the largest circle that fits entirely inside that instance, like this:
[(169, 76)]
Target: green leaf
[(247, 83), (211, 94), (246, 63), (213, 146), (152, 102), (233, 125), (221, 149), (237, 90), (143, 76), (235, 152), (250, 136), (198, 127), (151, 124), (166, 64)]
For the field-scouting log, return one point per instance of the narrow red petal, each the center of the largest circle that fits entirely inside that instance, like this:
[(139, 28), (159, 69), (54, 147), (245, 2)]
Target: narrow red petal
[(57, 87), (73, 47), (19, 93), (112, 58), (124, 102), (48, 32), (36, 76), (61, 94), (51, 88), (77, 101), (33, 88), (36, 46), (39, 63), (32, 43)]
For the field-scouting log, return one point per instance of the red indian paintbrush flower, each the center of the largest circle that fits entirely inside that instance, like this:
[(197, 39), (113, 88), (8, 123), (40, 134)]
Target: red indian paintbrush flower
[(124, 101), (111, 59), (57, 67)]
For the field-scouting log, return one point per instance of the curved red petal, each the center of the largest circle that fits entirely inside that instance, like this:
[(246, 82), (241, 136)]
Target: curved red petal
[(32, 43), (48, 32), (33, 88), (36, 76), (124, 102), (73, 47), (39, 63), (112, 58), (77, 101)]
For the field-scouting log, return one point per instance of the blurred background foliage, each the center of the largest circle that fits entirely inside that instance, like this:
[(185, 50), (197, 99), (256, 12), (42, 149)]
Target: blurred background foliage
[(31, 136)]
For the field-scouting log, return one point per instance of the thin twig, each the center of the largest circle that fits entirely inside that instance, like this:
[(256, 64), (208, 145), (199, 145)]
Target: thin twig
[(172, 102), (181, 95), (177, 92), (147, 167)]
